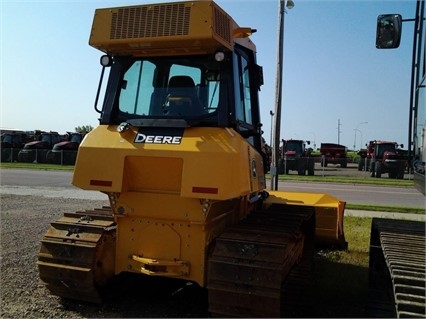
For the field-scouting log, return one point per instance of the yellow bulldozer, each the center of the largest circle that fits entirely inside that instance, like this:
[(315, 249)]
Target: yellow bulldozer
[(178, 152)]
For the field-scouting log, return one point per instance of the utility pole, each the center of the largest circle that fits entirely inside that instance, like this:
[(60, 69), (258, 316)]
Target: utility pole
[(278, 94), (272, 126)]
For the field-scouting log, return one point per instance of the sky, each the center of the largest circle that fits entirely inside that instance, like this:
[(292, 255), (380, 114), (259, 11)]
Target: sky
[(337, 87)]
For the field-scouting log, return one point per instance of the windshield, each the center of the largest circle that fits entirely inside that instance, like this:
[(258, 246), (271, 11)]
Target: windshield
[(49, 138), (162, 88), (45, 138), (382, 148), (6, 138), (76, 138), (293, 146)]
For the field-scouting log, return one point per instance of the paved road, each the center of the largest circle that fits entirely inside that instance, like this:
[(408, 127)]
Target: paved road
[(361, 194), (58, 184), (43, 183)]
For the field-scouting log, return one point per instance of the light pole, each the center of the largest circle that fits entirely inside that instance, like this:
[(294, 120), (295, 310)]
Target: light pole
[(357, 130), (338, 131), (278, 93), (272, 118)]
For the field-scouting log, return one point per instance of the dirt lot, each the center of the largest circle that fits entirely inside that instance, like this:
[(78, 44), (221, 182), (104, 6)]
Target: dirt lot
[(24, 220)]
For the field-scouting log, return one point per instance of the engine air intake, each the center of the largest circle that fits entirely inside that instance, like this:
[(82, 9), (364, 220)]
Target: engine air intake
[(150, 21), (187, 27)]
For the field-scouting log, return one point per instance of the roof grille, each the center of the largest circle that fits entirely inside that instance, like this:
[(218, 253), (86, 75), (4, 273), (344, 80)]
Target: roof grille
[(221, 25), (153, 21)]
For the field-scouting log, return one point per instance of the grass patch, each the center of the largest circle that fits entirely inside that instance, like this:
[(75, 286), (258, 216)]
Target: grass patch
[(39, 166), (340, 285), (346, 180), (390, 209)]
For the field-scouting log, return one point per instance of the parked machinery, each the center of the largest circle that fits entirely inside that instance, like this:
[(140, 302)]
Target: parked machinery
[(178, 152), (384, 158), (36, 150), (296, 157), (65, 152), (11, 143), (364, 159), (334, 154)]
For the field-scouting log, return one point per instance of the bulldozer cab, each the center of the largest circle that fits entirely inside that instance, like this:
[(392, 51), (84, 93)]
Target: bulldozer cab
[(162, 89), (198, 91)]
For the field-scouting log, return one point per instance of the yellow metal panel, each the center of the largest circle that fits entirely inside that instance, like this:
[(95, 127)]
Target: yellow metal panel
[(161, 206), (329, 213), (221, 163), (100, 160), (185, 27), (144, 173), (151, 231), (302, 198), (170, 200), (182, 25), (168, 227), (213, 163)]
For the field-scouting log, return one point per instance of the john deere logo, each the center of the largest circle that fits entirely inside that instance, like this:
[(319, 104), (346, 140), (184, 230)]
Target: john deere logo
[(253, 167), (156, 135), (157, 139)]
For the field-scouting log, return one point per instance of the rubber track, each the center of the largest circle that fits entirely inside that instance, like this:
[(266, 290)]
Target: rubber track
[(259, 267), (397, 277), (70, 258)]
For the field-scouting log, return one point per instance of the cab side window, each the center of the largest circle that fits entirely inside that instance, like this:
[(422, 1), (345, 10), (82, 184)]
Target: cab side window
[(243, 109), (136, 87)]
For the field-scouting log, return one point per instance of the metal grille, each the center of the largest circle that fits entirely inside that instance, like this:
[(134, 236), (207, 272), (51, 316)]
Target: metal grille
[(221, 25), (152, 21)]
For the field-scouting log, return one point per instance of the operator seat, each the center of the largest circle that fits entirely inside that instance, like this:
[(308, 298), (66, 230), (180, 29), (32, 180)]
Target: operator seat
[(182, 97)]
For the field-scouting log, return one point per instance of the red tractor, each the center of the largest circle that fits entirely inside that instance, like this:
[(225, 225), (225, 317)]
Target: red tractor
[(385, 158), (295, 156), (65, 152), (36, 150), (11, 143)]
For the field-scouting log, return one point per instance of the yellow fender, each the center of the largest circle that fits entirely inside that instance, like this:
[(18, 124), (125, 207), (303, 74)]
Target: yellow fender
[(329, 213)]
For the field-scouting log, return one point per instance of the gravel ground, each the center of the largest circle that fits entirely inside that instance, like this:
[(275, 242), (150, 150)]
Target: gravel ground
[(24, 220)]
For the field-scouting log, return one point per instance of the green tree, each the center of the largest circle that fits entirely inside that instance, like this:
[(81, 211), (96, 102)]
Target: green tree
[(84, 129)]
